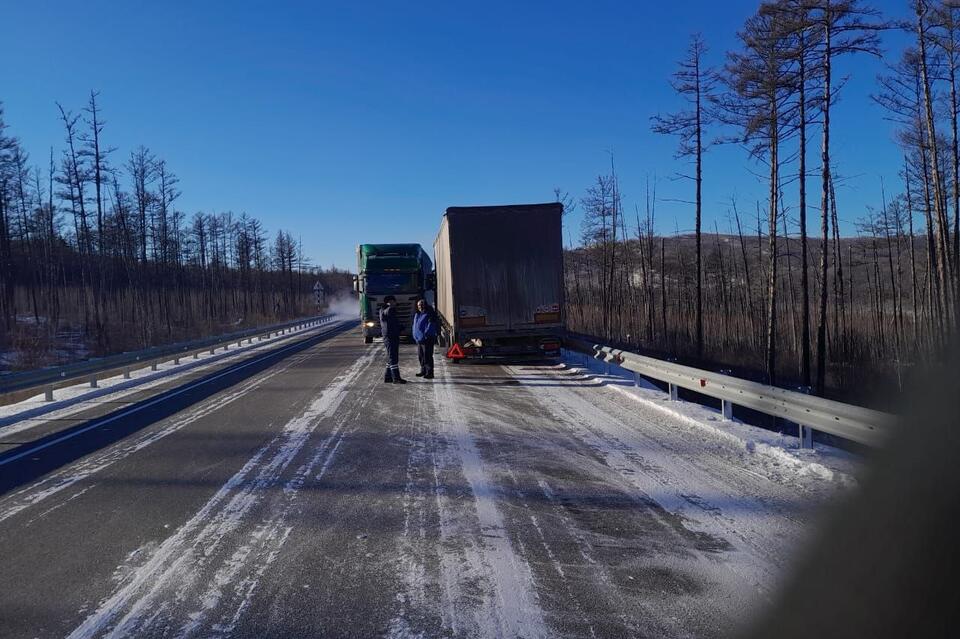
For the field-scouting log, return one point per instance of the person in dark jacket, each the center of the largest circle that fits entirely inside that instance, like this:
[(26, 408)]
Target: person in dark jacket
[(390, 329), (426, 326)]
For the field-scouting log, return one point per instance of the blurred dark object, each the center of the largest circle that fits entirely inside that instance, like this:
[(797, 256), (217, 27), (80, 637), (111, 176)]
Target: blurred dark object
[(885, 563)]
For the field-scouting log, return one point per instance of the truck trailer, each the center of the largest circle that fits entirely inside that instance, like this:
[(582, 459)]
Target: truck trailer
[(500, 291), (402, 270)]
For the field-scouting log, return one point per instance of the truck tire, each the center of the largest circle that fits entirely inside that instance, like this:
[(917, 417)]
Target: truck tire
[(368, 339)]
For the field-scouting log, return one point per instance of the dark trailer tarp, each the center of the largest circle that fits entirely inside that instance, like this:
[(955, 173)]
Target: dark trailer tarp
[(500, 274)]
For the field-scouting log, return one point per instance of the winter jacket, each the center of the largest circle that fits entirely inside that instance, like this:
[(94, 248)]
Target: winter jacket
[(389, 323), (425, 326)]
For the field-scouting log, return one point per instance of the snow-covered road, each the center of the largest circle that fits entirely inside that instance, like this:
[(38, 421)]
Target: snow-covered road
[(308, 499)]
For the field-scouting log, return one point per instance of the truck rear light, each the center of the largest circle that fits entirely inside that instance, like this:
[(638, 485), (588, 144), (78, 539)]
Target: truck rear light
[(550, 345)]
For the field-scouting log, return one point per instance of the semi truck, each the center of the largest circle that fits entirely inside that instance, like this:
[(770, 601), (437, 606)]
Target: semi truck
[(402, 270), (500, 291)]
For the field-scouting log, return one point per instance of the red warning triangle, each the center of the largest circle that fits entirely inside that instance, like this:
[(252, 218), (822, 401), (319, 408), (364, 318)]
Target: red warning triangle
[(456, 352)]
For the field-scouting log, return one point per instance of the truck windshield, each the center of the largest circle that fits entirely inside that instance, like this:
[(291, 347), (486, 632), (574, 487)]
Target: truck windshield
[(390, 282)]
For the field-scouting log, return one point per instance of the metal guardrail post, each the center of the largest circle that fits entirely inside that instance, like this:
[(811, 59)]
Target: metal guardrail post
[(674, 395), (48, 393), (806, 436), (196, 355), (176, 361), (126, 373), (153, 365), (93, 381), (637, 379), (726, 407)]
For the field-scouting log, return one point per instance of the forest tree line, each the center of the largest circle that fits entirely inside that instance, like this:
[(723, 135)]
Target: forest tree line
[(779, 290), (96, 256)]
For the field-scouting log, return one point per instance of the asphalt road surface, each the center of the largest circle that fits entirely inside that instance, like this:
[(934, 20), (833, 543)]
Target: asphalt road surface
[(299, 496)]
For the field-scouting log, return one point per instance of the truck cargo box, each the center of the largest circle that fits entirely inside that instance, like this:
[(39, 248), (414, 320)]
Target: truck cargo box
[(500, 279)]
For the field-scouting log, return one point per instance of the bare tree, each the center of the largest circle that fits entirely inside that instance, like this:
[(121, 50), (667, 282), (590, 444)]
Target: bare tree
[(846, 27), (760, 103), (695, 82)]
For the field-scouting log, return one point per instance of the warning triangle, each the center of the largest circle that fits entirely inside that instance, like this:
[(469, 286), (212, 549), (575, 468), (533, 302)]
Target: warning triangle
[(456, 352)]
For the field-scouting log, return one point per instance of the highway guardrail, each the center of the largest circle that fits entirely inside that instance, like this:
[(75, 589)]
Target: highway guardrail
[(94, 369), (856, 423)]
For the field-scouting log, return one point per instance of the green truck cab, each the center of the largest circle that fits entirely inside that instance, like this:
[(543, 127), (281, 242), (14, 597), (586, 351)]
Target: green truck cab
[(402, 270)]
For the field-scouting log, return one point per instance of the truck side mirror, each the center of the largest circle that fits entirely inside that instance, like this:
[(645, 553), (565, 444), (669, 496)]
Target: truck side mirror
[(356, 283)]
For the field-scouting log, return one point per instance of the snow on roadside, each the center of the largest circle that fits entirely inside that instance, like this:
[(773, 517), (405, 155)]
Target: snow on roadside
[(757, 509), (23, 415), (824, 462)]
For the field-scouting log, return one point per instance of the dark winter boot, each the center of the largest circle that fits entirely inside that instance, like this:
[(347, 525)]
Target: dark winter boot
[(397, 379)]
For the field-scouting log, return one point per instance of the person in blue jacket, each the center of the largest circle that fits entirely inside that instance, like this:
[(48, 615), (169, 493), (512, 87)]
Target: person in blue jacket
[(426, 326), (390, 330)]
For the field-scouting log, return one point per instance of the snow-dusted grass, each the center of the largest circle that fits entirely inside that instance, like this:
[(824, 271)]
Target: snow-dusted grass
[(23, 415), (823, 461)]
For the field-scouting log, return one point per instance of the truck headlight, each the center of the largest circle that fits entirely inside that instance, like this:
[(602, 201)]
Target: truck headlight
[(369, 324)]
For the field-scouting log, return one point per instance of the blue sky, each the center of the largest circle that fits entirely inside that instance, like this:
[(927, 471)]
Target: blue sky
[(355, 122)]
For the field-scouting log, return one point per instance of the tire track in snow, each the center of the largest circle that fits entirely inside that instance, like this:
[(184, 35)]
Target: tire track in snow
[(678, 486), (413, 549), (256, 560), (177, 563), (508, 604)]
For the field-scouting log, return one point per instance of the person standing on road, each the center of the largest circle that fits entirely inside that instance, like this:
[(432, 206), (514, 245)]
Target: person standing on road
[(426, 325), (390, 329)]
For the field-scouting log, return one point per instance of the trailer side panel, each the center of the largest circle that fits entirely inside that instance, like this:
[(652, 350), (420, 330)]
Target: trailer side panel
[(503, 272)]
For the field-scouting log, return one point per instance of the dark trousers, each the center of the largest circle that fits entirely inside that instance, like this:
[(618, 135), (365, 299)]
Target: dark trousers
[(391, 346), (425, 355)]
